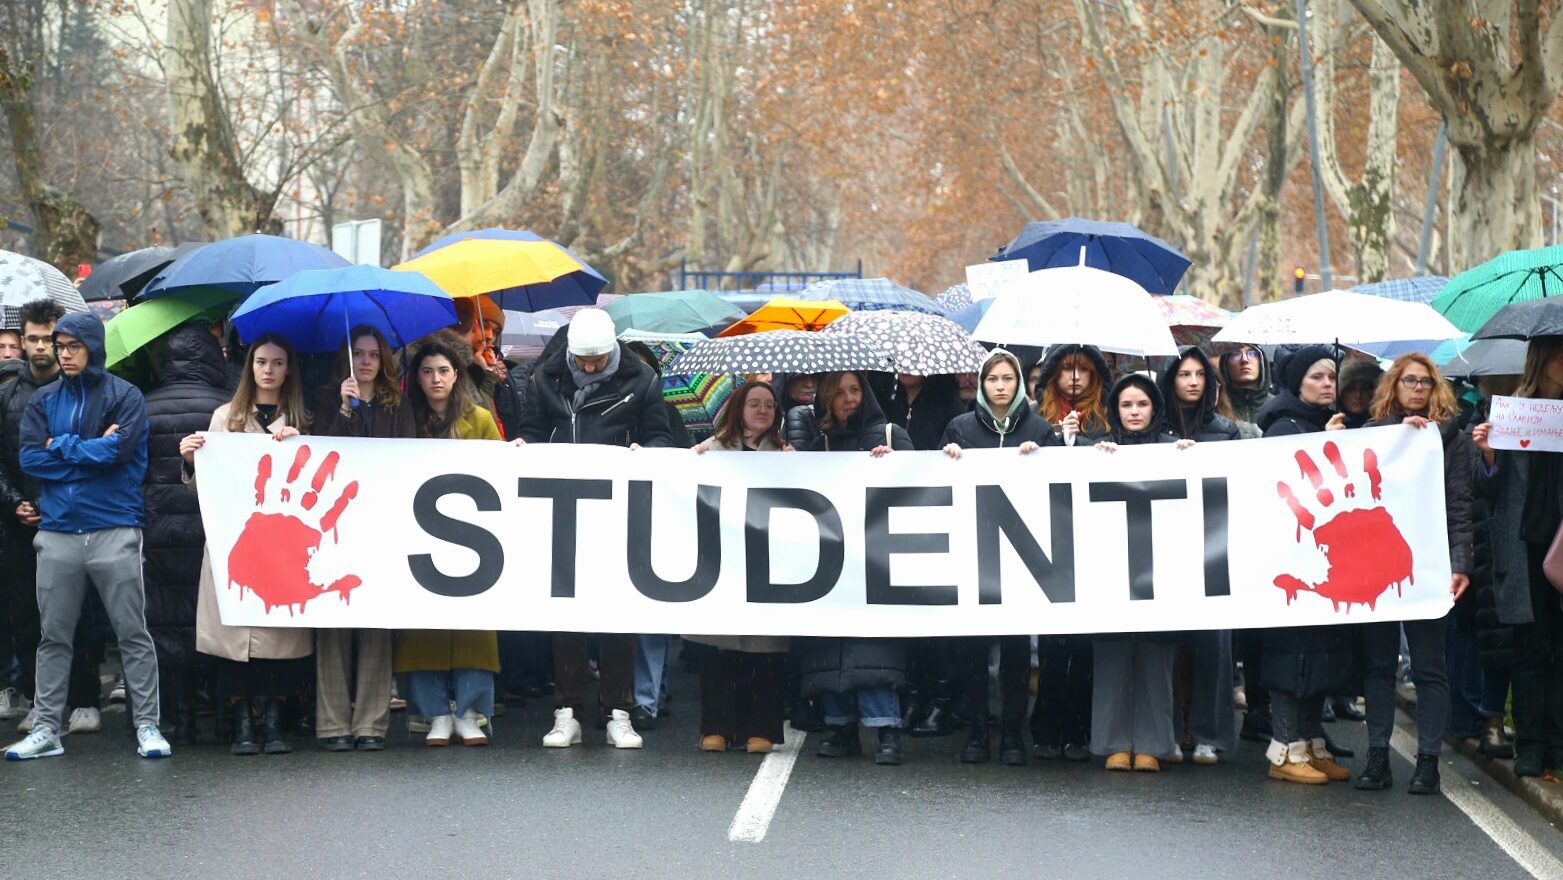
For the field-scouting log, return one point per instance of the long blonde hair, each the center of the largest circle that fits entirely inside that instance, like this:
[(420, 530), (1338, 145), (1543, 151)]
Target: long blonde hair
[(1441, 405), (290, 398), (1538, 354)]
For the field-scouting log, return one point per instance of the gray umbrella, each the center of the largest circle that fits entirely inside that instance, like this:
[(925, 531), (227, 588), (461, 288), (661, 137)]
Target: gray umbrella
[(1525, 320), (916, 344), (1488, 357), (24, 279), (780, 351)]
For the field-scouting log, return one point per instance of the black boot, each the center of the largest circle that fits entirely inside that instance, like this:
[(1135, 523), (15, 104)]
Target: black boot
[(940, 720), (1346, 709), (1012, 746), (979, 745), (276, 742), (804, 716), (843, 742), (1530, 763), (1495, 743), (244, 742), (1376, 777), (889, 747), (1338, 750), (1256, 726), (1425, 779), (1328, 715)]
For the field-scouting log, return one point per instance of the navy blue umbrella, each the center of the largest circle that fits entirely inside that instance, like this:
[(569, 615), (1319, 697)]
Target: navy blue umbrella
[(1119, 248), (241, 265), (316, 309)]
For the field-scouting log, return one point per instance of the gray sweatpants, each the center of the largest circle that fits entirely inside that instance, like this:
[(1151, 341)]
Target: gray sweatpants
[(110, 559)]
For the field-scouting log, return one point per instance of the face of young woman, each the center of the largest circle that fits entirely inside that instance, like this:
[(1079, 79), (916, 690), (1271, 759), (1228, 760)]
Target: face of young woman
[(1074, 376), (1135, 410), (366, 359), (436, 377), (269, 365), (849, 399), (1189, 382), (759, 412), (1000, 384), (1318, 387), (1414, 390)]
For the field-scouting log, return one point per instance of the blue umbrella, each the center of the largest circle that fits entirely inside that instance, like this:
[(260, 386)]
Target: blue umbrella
[(494, 234), (1419, 288), (1119, 248), (872, 294), (241, 265), (969, 316), (576, 288), (316, 309)]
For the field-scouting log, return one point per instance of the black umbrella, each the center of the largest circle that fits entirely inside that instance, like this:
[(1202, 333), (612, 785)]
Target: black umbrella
[(1525, 320), (780, 351), (122, 277)]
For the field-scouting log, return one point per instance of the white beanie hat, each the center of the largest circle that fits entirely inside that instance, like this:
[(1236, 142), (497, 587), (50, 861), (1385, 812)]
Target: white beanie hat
[(592, 333)]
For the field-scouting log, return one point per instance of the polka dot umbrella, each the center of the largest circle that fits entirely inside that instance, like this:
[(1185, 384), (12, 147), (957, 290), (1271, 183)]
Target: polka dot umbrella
[(781, 351), (915, 343)]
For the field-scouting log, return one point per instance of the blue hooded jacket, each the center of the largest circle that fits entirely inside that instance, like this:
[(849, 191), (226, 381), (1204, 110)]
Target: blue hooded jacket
[(90, 482)]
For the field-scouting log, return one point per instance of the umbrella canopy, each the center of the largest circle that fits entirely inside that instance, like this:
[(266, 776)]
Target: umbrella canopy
[(676, 311), (870, 294), (315, 309), (970, 316), (1474, 296), (241, 265), (124, 276), (666, 346), (531, 329), (955, 297), (1484, 357), (1120, 248), (1355, 319), (699, 397), (1525, 320), (131, 330), (1183, 310), (526, 274), (1417, 289), (1077, 304), (788, 314), (914, 343), (24, 279), (781, 351)]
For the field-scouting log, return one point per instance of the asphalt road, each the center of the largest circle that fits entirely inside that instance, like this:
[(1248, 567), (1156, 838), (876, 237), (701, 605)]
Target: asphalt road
[(515, 809)]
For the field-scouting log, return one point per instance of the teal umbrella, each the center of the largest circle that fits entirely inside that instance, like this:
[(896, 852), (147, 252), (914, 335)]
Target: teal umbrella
[(676, 311), (1474, 296)]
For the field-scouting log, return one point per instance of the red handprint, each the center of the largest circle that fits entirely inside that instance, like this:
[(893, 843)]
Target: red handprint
[(1365, 550), (272, 556)]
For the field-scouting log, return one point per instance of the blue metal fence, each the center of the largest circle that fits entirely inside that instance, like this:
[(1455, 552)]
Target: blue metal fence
[(781, 282)]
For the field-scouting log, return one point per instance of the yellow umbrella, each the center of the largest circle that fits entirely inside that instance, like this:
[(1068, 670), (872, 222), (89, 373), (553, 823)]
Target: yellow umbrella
[(521, 274), (789, 314)]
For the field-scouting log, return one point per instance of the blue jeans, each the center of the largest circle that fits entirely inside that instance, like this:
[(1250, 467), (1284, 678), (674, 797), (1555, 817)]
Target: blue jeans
[(429, 693), (870, 707), (651, 671)]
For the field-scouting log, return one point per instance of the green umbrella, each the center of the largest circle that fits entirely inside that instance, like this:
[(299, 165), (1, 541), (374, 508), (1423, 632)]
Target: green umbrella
[(675, 311), (1475, 295), (131, 330)]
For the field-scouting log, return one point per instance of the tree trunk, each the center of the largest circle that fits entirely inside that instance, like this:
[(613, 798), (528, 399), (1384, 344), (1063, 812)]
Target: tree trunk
[(1495, 206), (65, 233)]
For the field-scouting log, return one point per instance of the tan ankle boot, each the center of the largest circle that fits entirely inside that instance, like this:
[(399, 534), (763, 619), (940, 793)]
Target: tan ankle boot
[(1319, 756), (1289, 763)]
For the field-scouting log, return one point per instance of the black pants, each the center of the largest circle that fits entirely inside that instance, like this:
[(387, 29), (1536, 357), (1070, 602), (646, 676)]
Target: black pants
[(1425, 640), (262, 679), (615, 671), (1014, 669), (742, 695), (526, 661), (1062, 713), (19, 593), (1537, 675)]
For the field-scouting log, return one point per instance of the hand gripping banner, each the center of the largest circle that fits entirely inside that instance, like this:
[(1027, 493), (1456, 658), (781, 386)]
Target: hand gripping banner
[(1342, 526)]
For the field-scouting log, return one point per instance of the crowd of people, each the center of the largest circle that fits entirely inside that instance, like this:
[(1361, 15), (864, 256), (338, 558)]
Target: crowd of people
[(97, 477)]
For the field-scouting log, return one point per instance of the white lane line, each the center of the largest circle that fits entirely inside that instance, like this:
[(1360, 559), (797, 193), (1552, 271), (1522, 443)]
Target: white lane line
[(754, 814), (1510, 837)]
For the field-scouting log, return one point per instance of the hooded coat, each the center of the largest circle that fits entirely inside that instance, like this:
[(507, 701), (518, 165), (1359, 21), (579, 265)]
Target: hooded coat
[(1286, 413), (15, 485), (1156, 432), (627, 407), (1055, 359), (1247, 402), (1201, 422), (863, 432), (925, 419), (88, 481), (1357, 372), (195, 377), (979, 429)]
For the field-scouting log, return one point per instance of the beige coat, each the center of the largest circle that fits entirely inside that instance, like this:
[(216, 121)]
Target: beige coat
[(242, 643), (746, 644)]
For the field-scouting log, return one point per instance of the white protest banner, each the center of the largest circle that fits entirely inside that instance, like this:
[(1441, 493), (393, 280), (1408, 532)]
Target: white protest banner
[(1527, 424), (985, 279), (1324, 528)]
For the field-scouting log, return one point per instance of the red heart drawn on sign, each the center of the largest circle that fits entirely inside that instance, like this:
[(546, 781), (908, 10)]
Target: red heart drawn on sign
[(1524, 444)]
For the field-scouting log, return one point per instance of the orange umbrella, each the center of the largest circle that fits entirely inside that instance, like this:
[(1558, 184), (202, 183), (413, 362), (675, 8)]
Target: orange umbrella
[(789, 314)]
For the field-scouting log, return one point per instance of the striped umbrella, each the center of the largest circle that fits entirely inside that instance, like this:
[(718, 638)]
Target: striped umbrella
[(698, 397)]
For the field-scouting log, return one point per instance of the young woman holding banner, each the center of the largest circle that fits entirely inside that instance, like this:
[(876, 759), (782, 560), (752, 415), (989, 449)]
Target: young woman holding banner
[(1003, 419), (1413, 393), (857, 680), (443, 665), (257, 667), (742, 680)]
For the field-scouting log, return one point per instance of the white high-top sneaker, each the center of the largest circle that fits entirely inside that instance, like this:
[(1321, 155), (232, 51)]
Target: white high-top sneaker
[(566, 732), (621, 733), (467, 729), (440, 730)]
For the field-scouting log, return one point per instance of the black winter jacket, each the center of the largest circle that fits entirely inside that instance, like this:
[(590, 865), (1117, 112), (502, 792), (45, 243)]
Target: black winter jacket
[(1158, 432), (1287, 414), (936, 406), (978, 430), (1055, 358), (862, 433), (626, 408), (194, 386), (15, 486), (1459, 477), (1201, 423)]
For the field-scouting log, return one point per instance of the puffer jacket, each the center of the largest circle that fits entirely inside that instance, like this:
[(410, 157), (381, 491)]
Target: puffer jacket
[(926, 418), (194, 380), (1459, 477), (1055, 359), (626, 408), (1158, 432), (16, 486), (1287, 414), (979, 429), (862, 433), (89, 482), (1200, 423)]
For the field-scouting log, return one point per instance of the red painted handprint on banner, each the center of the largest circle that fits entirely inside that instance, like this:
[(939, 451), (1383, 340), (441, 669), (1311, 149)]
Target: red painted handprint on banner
[(1363, 547), (272, 556)]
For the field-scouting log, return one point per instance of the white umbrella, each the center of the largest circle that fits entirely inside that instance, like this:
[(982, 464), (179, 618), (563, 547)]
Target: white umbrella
[(1338, 316), (531, 329), (24, 279), (1077, 304)]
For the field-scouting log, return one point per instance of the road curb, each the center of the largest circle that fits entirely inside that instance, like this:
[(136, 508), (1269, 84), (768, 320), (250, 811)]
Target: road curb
[(1545, 797)]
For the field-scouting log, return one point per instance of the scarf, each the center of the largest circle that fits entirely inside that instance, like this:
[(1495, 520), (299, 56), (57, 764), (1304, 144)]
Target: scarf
[(586, 383)]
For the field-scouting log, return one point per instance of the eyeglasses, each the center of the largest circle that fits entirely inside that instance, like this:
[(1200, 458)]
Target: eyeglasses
[(1412, 383), (1246, 354), (70, 348)]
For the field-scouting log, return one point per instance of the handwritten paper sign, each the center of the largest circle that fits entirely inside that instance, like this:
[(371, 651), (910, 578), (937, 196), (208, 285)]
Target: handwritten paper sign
[(1527, 424), (985, 279)]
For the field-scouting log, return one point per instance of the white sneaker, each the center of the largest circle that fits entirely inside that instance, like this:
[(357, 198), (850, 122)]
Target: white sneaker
[(1205, 754), (440, 730), (84, 720), (12, 704), (621, 733), (29, 722), (566, 732), (468, 731), (150, 742), (40, 743)]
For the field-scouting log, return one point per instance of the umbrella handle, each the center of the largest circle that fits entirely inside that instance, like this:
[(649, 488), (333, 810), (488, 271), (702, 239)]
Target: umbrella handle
[(348, 329)]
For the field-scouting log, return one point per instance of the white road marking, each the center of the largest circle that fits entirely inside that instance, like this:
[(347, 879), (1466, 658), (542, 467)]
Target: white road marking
[(765, 792), (1511, 838)]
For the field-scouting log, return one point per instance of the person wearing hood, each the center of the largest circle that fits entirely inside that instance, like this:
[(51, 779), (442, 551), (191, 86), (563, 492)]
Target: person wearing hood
[(84, 438), (1131, 694), (1244, 380), (856, 679), (1074, 384), (1003, 419), (195, 380), (1359, 382), (794, 389), (1413, 393), (1194, 412)]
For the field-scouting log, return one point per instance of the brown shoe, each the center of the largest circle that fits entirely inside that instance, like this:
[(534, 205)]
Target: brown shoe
[(1289, 763), (713, 743), (1321, 760), (759, 746), (1146, 764), (1118, 761)]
